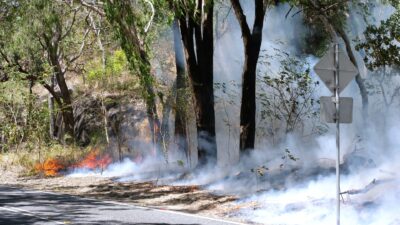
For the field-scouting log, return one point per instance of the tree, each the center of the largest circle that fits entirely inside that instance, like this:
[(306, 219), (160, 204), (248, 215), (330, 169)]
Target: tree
[(196, 26), (47, 40), (332, 16), (252, 43), (380, 43), (132, 33), (382, 56), (287, 101), (181, 93)]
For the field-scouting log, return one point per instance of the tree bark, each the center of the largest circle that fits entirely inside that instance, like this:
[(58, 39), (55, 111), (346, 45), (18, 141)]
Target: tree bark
[(180, 99), (252, 44), (66, 106), (197, 38), (51, 110), (54, 59)]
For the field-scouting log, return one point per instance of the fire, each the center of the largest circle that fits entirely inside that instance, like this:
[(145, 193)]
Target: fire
[(94, 160), (50, 168)]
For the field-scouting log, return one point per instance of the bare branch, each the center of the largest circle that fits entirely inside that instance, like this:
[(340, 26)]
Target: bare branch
[(92, 7), (72, 24), (152, 15), (241, 18), (288, 12), (74, 58), (5, 56), (52, 92)]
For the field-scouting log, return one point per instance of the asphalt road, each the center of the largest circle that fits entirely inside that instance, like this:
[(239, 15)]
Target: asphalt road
[(18, 206)]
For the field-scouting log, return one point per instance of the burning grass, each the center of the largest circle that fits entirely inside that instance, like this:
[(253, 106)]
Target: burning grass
[(94, 160), (47, 160), (50, 168), (55, 165)]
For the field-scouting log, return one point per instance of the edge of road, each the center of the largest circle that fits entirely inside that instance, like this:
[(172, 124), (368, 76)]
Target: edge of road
[(154, 208)]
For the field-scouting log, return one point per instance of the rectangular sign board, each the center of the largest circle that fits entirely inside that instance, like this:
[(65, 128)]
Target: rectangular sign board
[(328, 109)]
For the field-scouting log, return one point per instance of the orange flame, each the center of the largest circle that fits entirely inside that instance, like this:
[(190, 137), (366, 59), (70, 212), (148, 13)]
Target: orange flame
[(95, 161), (50, 168)]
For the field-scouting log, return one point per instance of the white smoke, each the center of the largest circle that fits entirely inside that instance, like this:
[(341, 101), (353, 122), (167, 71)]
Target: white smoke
[(314, 202), (117, 169), (286, 191)]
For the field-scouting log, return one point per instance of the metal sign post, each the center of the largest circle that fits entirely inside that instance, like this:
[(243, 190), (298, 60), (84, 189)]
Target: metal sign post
[(336, 71), (337, 119)]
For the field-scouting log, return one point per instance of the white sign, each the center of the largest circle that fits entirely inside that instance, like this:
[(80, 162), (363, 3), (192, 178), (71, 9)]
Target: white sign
[(328, 109), (326, 68)]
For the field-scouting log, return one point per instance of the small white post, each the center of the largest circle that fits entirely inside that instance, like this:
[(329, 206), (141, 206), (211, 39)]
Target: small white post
[(337, 99)]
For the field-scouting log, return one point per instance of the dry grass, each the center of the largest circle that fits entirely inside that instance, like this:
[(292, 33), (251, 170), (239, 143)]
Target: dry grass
[(25, 162)]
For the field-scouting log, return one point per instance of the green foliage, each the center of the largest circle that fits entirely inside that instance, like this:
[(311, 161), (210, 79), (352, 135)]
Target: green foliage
[(95, 71), (381, 50), (116, 64), (11, 115), (180, 163), (381, 45), (312, 10), (288, 98), (129, 24), (23, 37), (24, 119), (324, 18)]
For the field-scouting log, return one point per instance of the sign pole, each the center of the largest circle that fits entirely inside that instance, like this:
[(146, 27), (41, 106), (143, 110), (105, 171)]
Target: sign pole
[(337, 118), (336, 71)]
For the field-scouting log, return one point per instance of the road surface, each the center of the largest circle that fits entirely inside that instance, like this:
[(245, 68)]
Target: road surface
[(19, 206)]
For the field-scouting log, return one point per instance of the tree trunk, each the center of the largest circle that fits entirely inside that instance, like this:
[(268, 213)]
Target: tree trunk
[(52, 48), (150, 98), (181, 98), (252, 44), (359, 80), (199, 49), (165, 134), (30, 108), (205, 120), (248, 102), (51, 110), (66, 107)]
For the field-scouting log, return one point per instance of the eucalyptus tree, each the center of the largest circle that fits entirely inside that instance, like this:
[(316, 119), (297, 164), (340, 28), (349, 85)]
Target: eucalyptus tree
[(331, 16), (196, 27), (381, 50), (181, 107), (137, 23), (380, 42), (252, 39), (47, 40), (132, 28)]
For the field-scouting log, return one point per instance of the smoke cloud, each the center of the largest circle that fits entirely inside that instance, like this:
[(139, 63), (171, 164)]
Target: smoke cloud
[(290, 182)]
